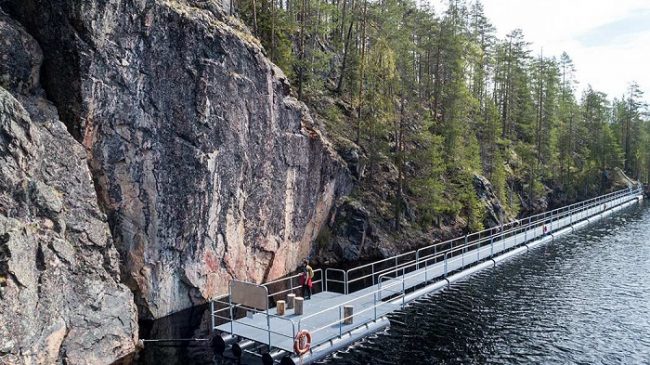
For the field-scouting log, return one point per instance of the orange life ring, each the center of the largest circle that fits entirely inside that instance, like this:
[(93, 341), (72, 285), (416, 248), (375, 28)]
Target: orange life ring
[(302, 342)]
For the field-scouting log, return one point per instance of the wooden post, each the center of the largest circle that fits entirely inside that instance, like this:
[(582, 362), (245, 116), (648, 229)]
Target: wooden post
[(297, 306), (347, 314), (290, 300), (280, 306)]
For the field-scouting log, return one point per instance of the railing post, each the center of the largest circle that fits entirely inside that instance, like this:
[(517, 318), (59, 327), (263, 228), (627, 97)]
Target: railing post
[(212, 316), (268, 325), (340, 321), (491, 244), (426, 269), (465, 250), (403, 289), (232, 319), (445, 257), (375, 304), (373, 273), (462, 256)]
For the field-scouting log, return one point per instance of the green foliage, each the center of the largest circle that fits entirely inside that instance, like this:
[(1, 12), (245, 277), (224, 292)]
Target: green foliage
[(427, 185), (439, 96), (468, 204), (498, 178)]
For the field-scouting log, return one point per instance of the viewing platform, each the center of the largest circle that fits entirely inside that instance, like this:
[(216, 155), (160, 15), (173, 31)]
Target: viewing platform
[(351, 304)]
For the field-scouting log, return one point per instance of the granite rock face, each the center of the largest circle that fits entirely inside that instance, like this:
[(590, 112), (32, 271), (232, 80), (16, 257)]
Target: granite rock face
[(61, 300), (206, 165), (495, 214)]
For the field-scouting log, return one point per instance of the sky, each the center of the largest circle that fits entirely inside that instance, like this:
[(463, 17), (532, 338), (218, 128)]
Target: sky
[(608, 40)]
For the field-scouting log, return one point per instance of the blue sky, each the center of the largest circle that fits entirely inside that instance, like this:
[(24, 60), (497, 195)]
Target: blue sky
[(609, 41)]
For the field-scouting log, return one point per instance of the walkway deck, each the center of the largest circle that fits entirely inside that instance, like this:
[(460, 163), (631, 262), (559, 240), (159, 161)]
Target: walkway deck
[(323, 315), (255, 328)]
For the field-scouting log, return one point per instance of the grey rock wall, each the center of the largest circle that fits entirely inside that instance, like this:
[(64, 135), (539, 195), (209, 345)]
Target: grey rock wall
[(61, 300), (207, 166)]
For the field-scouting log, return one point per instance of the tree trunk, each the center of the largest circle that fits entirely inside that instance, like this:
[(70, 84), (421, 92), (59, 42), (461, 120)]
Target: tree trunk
[(301, 58), (361, 71), (346, 49), (399, 149), (273, 58)]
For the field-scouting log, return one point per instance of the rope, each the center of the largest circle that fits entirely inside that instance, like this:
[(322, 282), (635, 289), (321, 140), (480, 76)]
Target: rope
[(175, 339)]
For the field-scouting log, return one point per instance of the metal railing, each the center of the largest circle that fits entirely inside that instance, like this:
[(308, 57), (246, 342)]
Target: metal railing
[(233, 319), (291, 284), (369, 302), (393, 273), (343, 281), (287, 285), (546, 221)]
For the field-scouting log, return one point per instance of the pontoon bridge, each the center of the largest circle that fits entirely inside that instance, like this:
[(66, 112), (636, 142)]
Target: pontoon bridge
[(246, 323)]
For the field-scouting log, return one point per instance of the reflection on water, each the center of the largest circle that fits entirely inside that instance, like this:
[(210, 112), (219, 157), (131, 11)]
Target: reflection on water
[(584, 299)]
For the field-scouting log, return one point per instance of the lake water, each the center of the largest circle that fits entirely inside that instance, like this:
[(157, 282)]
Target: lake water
[(584, 299)]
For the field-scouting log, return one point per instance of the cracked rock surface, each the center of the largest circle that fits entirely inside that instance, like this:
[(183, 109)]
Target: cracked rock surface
[(206, 165), (61, 297)]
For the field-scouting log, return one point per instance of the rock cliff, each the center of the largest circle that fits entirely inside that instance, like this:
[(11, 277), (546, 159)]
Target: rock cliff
[(205, 164), (61, 300)]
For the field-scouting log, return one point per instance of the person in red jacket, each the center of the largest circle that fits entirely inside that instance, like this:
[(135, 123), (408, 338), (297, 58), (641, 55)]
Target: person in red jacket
[(306, 279)]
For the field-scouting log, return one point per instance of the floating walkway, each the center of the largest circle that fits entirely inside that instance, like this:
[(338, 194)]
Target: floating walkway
[(247, 323)]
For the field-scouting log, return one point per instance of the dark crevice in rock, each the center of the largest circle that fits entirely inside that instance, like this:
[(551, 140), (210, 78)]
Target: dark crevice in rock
[(60, 72), (269, 266), (40, 259), (41, 267), (5, 254), (116, 224), (62, 350)]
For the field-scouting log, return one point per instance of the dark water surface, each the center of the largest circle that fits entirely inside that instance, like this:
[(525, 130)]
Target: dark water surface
[(584, 299)]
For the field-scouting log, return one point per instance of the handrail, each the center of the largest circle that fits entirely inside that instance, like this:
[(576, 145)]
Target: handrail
[(503, 230), (269, 315), (344, 282), (446, 252), (554, 220), (372, 265), (513, 230), (427, 258), (291, 280)]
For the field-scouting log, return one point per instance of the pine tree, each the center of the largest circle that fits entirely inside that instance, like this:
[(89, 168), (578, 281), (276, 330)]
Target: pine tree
[(441, 99)]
